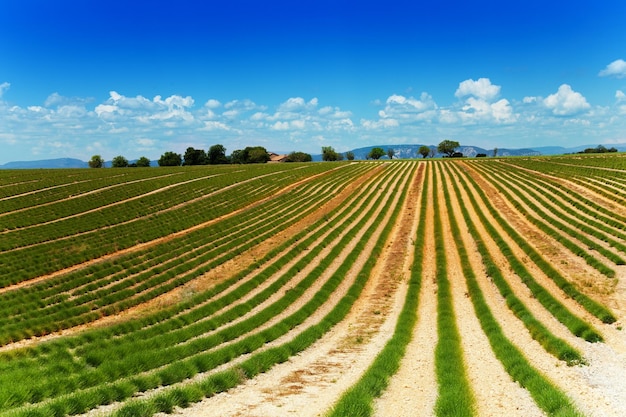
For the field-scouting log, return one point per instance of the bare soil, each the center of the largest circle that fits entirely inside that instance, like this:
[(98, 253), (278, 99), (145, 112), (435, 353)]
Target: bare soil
[(311, 382)]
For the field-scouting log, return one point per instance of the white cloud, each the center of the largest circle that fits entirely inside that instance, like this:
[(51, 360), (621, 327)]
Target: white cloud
[(479, 106), (297, 104), (242, 105), (620, 96), (402, 107), (4, 87), (105, 108), (616, 68), (280, 126), (212, 104), (566, 101), (379, 124), (213, 125), (482, 89), (174, 102)]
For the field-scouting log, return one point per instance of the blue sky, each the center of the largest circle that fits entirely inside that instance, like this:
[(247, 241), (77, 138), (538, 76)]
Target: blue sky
[(139, 78)]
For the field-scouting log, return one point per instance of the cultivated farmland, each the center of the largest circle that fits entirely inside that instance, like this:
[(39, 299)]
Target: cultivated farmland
[(482, 287)]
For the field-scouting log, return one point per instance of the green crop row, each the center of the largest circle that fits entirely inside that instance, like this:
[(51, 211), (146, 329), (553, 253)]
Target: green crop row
[(592, 306), (555, 228), (455, 395), (575, 324), (552, 344), (546, 395), (206, 250), (232, 333)]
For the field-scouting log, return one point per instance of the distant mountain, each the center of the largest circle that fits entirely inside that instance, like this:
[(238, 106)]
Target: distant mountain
[(411, 151), (400, 151), (46, 163), (557, 150)]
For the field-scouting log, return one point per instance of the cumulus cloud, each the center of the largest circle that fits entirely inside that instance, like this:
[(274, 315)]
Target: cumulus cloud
[(566, 101), (482, 89), (297, 104), (398, 106), (620, 96), (212, 104), (616, 68), (479, 106), (379, 124)]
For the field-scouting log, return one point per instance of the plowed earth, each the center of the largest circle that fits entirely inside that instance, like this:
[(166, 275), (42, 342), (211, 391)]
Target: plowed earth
[(309, 383)]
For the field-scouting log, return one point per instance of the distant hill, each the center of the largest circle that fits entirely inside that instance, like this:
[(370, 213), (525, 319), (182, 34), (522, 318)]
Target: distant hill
[(46, 163), (401, 151), (411, 151), (556, 150)]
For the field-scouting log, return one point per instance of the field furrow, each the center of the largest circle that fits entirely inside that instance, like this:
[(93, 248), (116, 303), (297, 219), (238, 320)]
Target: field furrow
[(474, 287)]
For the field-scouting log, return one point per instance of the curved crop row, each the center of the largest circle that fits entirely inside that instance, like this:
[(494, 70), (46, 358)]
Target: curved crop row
[(595, 308), (115, 286), (175, 371)]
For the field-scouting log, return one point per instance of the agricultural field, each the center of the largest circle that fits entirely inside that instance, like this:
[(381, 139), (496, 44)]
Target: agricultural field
[(460, 287)]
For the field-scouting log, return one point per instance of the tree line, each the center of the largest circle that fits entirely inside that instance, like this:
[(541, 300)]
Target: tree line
[(214, 156), (257, 154)]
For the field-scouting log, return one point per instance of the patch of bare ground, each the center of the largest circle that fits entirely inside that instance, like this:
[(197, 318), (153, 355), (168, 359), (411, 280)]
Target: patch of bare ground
[(606, 361), (202, 283), (496, 394), (309, 383), (412, 391)]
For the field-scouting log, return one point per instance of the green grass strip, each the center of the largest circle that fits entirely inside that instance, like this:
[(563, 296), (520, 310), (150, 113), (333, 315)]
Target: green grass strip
[(552, 344), (455, 395), (358, 400), (546, 395), (263, 361), (577, 326)]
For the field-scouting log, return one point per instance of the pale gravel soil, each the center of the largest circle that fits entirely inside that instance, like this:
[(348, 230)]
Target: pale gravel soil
[(412, 391), (593, 398), (495, 393), (208, 280), (308, 384)]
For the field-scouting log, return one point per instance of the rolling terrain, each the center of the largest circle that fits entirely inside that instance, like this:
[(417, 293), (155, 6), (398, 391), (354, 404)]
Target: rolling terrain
[(483, 287)]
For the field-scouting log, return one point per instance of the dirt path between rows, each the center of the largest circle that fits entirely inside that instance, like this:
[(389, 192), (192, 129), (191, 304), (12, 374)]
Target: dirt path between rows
[(206, 281), (597, 388), (309, 383), (500, 396), (412, 391)]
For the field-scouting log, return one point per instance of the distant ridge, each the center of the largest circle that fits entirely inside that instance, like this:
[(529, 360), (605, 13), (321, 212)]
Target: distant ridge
[(401, 151), (46, 163), (411, 151)]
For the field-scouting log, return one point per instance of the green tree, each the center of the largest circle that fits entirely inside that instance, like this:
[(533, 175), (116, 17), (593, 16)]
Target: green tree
[(119, 162), (96, 161), (376, 153), (257, 155), (194, 157), (299, 157), (217, 155), (250, 155), (350, 156), (170, 159), (447, 147), (143, 162), (390, 153), (424, 151), (329, 154), (239, 156)]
